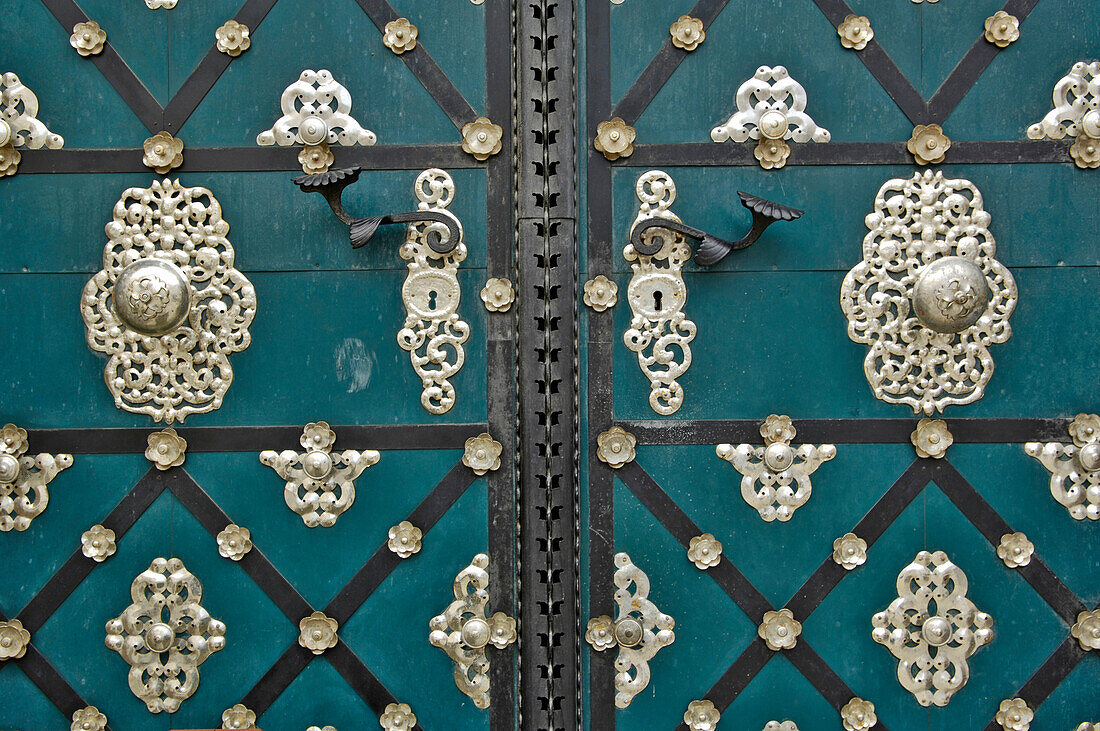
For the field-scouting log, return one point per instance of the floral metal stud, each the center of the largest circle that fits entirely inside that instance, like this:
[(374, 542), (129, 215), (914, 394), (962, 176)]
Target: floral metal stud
[(779, 629), (782, 471), (928, 144), (397, 717), (239, 716), (931, 438), (165, 635), (771, 108), (404, 539), (780, 726), (317, 632), (855, 32), (615, 447), (1086, 726), (232, 38), (88, 718), (163, 152), (98, 543), (1074, 468), (234, 542), (600, 633), (1015, 550), (321, 728), (19, 124), (482, 454), (399, 35), (166, 449), (315, 158), (88, 38), (1015, 715), (850, 551), (600, 293), (481, 138), (1085, 152), (701, 716), (24, 479), (615, 138), (704, 551), (1002, 29), (687, 33), (858, 715), (320, 484), (498, 294), (932, 623), (1087, 630), (13, 640), (156, 4), (1076, 113)]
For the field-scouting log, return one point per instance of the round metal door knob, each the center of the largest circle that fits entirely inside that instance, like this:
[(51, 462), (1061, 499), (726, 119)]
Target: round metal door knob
[(152, 296), (950, 294)]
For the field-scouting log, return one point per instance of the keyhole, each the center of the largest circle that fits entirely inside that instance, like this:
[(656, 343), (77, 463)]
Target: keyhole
[(431, 300), (657, 295)]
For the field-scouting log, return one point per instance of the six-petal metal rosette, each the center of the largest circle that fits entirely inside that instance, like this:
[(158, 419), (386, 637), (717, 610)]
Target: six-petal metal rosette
[(929, 297)]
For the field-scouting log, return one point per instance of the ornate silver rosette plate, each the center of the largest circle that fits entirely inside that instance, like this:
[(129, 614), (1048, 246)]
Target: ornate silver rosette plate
[(168, 307)]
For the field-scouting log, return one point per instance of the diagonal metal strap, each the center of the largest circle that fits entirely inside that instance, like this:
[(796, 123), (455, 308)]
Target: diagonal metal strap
[(52, 684)]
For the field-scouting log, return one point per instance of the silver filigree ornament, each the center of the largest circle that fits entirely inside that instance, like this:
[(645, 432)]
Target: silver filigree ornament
[(433, 332), (168, 307), (1074, 468), (776, 476), (464, 632), (639, 631), (24, 479), (932, 628), (19, 124), (165, 635), (1076, 113), (320, 484), (929, 296), (659, 330)]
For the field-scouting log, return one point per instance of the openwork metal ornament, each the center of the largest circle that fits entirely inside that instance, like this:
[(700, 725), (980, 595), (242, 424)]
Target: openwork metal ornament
[(932, 628), (165, 635), (23, 479), (169, 307), (463, 630), (320, 485), (929, 297), (1074, 468), (702, 716), (19, 125), (776, 476), (1076, 113), (771, 108), (639, 631)]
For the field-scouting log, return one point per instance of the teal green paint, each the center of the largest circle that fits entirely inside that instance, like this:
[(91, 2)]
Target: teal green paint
[(191, 27), (1075, 698), (33, 709), (897, 27), (140, 36), (948, 32), (319, 696), (638, 30), (779, 693)]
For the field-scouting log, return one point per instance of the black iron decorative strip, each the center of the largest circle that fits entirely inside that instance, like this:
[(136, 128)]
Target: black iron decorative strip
[(822, 677), (661, 68), (737, 677), (424, 67), (144, 106), (278, 678), (361, 679), (52, 684)]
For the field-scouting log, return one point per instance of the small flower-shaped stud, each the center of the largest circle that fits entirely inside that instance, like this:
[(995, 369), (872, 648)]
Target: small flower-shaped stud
[(615, 447), (9, 160), (615, 138), (1002, 29), (850, 551), (398, 717), (1085, 152), (98, 543), (88, 718), (88, 38), (928, 144), (771, 154), (232, 38), (163, 152), (858, 715), (317, 632), (701, 716), (13, 640), (777, 428), (404, 539), (315, 158), (234, 542), (855, 32), (498, 294), (1014, 715), (481, 138), (931, 438), (399, 35), (600, 633), (482, 454), (687, 33), (166, 449), (502, 630), (780, 630), (239, 716), (704, 551), (600, 293), (1085, 429), (1087, 630), (1015, 550)]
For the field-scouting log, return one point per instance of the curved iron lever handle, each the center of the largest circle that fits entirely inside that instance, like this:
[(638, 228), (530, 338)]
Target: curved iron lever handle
[(711, 248), (331, 185)]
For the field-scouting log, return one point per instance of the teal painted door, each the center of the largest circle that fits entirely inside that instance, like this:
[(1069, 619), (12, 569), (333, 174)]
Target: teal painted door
[(324, 346), (771, 338)]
